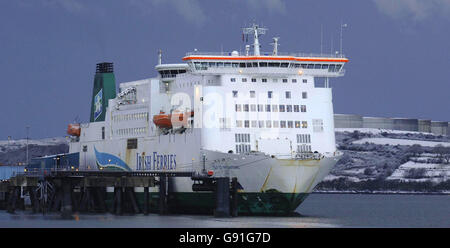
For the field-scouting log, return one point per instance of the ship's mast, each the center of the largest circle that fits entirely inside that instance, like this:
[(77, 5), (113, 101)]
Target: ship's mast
[(275, 46), (256, 31)]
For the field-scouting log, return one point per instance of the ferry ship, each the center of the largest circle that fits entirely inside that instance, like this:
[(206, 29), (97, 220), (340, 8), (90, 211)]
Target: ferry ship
[(260, 117)]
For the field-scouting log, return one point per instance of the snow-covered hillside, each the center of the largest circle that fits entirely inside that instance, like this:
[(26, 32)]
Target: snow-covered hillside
[(386, 160), (13, 152)]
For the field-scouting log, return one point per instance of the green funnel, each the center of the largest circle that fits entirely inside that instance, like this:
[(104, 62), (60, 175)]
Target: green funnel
[(104, 89)]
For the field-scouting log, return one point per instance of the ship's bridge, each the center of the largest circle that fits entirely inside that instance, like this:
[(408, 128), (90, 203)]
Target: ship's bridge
[(319, 65), (170, 71)]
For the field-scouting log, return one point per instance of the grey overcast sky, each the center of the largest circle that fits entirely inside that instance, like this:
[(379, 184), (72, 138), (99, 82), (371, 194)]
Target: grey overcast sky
[(399, 50)]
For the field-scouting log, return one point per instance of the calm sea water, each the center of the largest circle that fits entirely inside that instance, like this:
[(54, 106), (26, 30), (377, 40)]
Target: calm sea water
[(319, 210)]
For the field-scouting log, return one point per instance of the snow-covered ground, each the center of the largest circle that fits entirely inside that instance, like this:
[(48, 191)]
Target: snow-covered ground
[(379, 131), (379, 160), (402, 142), (10, 145), (423, 172)]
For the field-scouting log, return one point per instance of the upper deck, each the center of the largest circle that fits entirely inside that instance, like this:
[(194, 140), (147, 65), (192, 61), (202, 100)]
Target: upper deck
[(319, 65)]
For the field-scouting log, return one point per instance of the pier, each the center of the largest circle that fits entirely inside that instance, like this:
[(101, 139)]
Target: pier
[(71, 191)]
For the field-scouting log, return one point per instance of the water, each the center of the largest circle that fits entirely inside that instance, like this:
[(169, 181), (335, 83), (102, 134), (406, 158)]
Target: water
[(319, 210)]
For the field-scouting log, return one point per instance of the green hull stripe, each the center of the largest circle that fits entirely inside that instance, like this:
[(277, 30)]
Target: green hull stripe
[(248, 203)]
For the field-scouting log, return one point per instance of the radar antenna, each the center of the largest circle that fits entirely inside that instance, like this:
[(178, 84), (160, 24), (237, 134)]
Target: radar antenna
[(256, 31)]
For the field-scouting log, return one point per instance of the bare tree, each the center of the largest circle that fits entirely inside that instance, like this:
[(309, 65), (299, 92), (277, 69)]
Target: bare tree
[(415, 150), (443, 153)]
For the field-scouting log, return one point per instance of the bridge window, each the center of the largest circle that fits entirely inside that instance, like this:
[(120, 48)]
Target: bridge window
[(274, 64), (242, 65), (331, 68), (324, 66), (262, 64), (219, 64), (235, 65), (317, 66), (227, 64), (284, 65), (310, 66), (304, 66)]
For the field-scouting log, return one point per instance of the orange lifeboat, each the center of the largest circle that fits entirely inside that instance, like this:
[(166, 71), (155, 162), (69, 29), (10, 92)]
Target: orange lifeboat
[(162, 120), (74, 130), (176, 119)]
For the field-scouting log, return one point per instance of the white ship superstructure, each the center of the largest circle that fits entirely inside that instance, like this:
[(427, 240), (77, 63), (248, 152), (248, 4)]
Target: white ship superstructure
[(260, 117)]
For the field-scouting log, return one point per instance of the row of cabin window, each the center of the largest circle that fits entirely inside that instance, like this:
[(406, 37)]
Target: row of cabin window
[(287, 94), (205, 65), (130, 117), (242, 137), (303, 138), (268, 124), (264, 80), (131, 131), (304, 148), (242, 148), (269, 108)]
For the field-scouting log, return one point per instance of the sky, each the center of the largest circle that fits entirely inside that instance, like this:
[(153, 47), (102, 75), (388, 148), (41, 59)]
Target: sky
[(399, 51)]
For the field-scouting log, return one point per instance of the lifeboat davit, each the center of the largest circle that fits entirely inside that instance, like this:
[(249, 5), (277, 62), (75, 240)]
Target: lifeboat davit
[(175, 120), (74, 130)]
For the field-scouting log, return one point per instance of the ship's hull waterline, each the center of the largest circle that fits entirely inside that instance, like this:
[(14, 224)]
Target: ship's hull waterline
[(268, 186)]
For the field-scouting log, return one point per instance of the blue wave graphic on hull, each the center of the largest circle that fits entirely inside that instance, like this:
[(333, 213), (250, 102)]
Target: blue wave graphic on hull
[(110, 162)]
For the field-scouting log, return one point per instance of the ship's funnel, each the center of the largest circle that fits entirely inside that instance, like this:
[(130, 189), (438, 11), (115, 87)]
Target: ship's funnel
[(104, 89)]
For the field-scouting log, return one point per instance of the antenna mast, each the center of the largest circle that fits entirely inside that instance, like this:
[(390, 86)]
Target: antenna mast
[(275, 46), (256, 31), (159, 56)]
